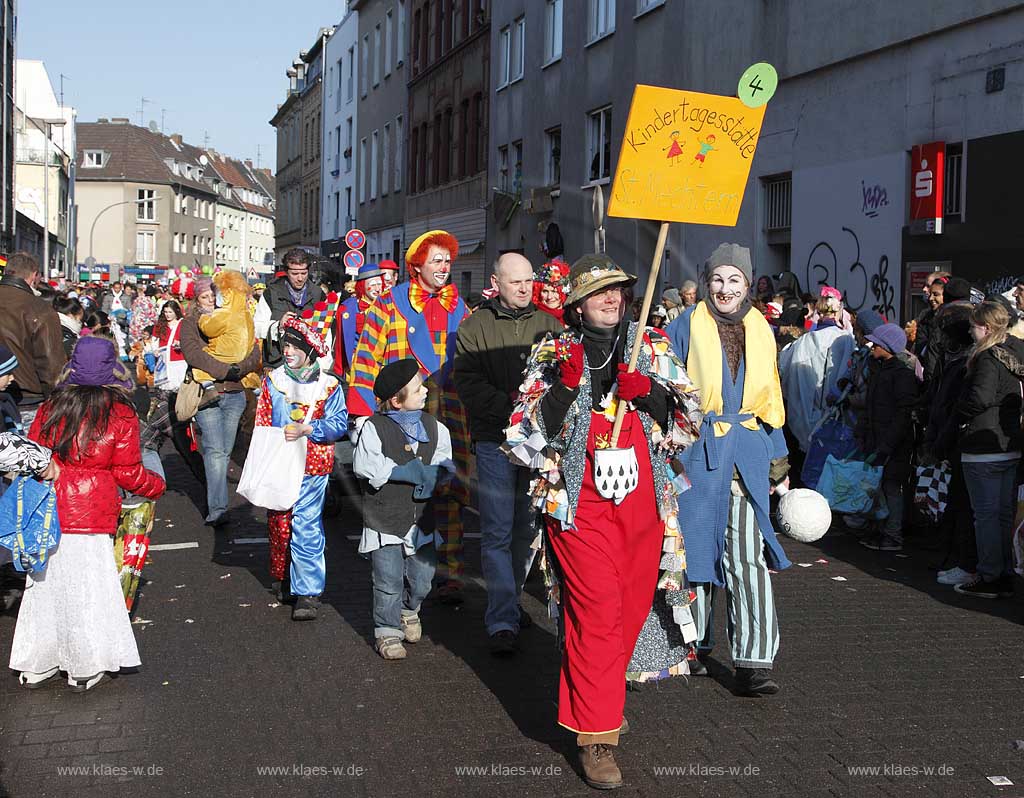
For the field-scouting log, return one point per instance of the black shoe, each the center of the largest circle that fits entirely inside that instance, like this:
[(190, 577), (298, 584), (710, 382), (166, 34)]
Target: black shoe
[(282, 591), (697, 668), (525, 621), (503, 644), (450, 593), (883, 543), (219, 522), (306, 608), (755, 682), (979, 588)]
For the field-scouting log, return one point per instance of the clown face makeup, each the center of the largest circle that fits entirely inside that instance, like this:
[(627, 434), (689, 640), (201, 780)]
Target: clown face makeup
[(436, 269), (727, 288), (373, 287), (294, 357)]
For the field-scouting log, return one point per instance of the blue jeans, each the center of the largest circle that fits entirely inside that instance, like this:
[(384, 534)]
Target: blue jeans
[(507, 530), (219, 424), (993, 499), (400, 583)]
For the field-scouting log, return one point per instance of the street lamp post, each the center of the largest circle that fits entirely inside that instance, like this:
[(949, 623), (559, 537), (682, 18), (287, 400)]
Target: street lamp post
[(92, 228)]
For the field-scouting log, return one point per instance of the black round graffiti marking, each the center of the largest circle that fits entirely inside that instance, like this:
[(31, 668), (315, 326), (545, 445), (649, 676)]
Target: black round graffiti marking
[(819, 274), (864, 275)]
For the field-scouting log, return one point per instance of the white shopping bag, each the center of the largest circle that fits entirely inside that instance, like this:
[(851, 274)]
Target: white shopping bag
[(274, 468)]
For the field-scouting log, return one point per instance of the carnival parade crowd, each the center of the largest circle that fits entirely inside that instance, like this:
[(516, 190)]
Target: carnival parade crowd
[(638, 463)]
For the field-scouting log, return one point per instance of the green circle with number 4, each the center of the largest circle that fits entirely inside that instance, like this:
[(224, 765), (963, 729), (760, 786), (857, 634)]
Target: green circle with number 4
[(757, 85)]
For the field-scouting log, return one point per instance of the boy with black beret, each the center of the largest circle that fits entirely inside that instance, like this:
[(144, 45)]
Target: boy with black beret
[(403, 457)]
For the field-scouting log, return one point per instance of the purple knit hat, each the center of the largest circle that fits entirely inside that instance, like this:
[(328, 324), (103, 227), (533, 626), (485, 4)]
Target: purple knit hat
[(94, 362), (203, 284)]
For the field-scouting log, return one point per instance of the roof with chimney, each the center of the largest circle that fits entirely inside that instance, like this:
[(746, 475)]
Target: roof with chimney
[(143, 155)]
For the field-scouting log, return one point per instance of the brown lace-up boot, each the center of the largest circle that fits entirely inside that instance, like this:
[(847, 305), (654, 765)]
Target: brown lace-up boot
[(599, 768)]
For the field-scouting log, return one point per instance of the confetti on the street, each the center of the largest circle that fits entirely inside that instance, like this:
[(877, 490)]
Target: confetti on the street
[(170, 600), (275, 604), (225, 576), (838, 578), (165, 683), (189, 620), (143, 622), (891, 569), (822, 561), (805, 564), (179, 586), (1000, 781), (902, 556), (245, 605)]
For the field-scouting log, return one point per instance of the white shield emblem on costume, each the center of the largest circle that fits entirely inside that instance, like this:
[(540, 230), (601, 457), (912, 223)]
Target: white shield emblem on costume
[(616, 473)]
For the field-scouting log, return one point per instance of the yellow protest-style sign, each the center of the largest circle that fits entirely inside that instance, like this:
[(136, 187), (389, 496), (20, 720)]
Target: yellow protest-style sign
[(685, 157)]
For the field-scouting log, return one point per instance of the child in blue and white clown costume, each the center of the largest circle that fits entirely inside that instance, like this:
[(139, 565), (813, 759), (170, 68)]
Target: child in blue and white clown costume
[(284, 402)]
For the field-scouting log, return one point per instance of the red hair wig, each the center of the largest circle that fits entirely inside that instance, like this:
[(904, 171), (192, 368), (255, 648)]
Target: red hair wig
[(442, 240)]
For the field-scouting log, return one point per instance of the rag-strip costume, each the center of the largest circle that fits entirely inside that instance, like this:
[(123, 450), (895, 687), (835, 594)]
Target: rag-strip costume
[(730, 540), (606, 564), (410, 322), (298, 534)]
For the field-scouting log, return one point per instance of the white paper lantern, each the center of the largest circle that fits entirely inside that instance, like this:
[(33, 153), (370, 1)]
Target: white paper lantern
[(804, 515)]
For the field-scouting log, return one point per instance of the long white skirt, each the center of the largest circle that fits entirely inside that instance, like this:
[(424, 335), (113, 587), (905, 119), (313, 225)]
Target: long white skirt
[(73, 614)]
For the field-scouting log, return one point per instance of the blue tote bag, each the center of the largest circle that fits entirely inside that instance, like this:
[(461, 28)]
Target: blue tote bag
[(849, 486), (832, 437), (29, 526)]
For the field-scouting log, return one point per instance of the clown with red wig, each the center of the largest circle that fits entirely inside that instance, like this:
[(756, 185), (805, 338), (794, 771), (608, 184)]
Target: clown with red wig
[(551, 287), (419, 319), (350, 319)]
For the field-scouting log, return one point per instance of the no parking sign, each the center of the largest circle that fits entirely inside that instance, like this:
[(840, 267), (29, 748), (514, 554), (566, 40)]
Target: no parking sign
[(353, 260), (354, 239)]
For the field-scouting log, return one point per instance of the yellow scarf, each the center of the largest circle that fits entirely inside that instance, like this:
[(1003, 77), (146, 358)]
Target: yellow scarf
[(762, 393)]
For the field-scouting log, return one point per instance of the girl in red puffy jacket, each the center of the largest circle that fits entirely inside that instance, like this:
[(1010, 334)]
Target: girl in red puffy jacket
[(73, 616)]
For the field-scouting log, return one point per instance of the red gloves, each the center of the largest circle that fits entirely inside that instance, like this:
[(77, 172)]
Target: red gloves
[(632, 384), (571, 369)]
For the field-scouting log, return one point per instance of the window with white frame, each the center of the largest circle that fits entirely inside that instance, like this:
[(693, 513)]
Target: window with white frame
[(503, 168), (145, 206), (195, 209), (176, 242), (505, 56), (177, 203), (350, 77), (647, 5), (600, 18), (385, 160), (456, 20), (184, 206), (378, 56), (362, 170), (399, 144), (94, 159), (517, 167), (552, 31), (364, 76), (195, 244), (347, 152), (599, 144), (388, 33), (401, 31), (553, 156), (374, 149), (145, 246), (517, 57)]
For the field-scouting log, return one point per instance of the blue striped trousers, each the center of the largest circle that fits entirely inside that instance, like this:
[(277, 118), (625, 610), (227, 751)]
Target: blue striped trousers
[(752, 624)]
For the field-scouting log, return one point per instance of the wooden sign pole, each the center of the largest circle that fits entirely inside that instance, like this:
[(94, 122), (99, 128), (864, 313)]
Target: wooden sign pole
[(652, 282)]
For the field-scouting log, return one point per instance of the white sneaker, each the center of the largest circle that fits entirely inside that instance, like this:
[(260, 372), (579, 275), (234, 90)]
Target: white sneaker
[(955, 576)]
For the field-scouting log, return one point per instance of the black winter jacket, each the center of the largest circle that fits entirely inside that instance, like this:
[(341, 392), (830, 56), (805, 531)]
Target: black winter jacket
[(885, 428), (990, 402)]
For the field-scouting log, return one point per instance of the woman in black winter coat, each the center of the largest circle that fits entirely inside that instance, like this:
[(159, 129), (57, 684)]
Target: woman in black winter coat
[(990, 443)]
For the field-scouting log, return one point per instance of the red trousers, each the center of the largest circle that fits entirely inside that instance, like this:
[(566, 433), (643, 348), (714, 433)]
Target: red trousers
[(279, 531), (609, 570)]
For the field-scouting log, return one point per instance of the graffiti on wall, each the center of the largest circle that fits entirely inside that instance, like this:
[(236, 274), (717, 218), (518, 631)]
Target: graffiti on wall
[(847, 230), (860, 290)]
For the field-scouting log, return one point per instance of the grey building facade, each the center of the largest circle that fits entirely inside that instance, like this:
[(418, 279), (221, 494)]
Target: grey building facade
[(379, 143), (861, 83), (8, 31)]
